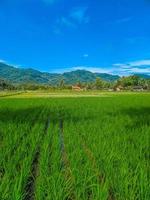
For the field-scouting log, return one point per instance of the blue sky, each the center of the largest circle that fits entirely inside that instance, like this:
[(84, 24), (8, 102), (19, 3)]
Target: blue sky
[(61, 35)]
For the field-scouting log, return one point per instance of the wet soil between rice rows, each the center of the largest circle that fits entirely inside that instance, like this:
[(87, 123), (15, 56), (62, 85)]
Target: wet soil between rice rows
[(30, 183), (17, 145)]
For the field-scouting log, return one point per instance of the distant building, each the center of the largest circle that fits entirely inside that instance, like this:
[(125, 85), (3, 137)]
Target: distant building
[(118, 88), (137, 88), (76, 88), (110, 90)]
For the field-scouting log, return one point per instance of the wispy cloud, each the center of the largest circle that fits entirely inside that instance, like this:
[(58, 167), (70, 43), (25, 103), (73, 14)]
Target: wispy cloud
[(2, 61), (138, 63), (7, 63), (139, 70), (122, 69), (72, 19), (130, 71), (64, 21), (79, 15), (92, 69), (123, 20), (139, 66)]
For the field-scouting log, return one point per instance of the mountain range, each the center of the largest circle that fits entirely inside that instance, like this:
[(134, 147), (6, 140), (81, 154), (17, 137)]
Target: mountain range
[(21, 75)]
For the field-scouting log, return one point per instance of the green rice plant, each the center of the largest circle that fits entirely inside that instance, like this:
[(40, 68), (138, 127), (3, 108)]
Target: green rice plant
[(102, 151)]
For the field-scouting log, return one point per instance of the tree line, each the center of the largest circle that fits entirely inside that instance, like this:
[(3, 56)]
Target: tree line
[(124, 83)]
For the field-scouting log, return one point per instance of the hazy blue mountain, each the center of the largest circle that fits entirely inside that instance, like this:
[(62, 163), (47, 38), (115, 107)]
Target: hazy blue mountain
[(145, 76), (20, 75)]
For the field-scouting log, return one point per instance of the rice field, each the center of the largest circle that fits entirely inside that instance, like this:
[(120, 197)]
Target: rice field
[(64, 148)]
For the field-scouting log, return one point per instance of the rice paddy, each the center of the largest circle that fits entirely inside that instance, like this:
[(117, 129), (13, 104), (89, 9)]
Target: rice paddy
[(64, 148)]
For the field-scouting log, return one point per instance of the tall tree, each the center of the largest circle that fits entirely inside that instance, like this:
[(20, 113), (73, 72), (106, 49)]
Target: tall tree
[(99, 83), (62, 84)]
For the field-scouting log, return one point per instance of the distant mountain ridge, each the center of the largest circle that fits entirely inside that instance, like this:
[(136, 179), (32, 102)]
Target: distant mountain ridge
[(20, 75), (144, 76)]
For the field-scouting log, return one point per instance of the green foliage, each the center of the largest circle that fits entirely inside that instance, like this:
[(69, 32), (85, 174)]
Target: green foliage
[(5, 85), (100, 150), (62, 84), (29, 79), (99, 84), (129, 81)]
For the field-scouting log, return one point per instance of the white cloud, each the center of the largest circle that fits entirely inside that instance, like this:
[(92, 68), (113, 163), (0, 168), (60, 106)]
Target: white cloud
[(122, 66), (115, 69), (139, 66), (92, 69), (138, 70), (7, 63), (140, 63), (2, 61), (129, 68)]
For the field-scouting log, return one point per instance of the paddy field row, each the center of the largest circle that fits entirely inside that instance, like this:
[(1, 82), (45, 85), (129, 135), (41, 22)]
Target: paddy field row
[(75, 148)]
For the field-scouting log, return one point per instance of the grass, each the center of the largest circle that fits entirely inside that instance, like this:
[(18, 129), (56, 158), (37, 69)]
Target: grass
[(65, 93), (75, 148)]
